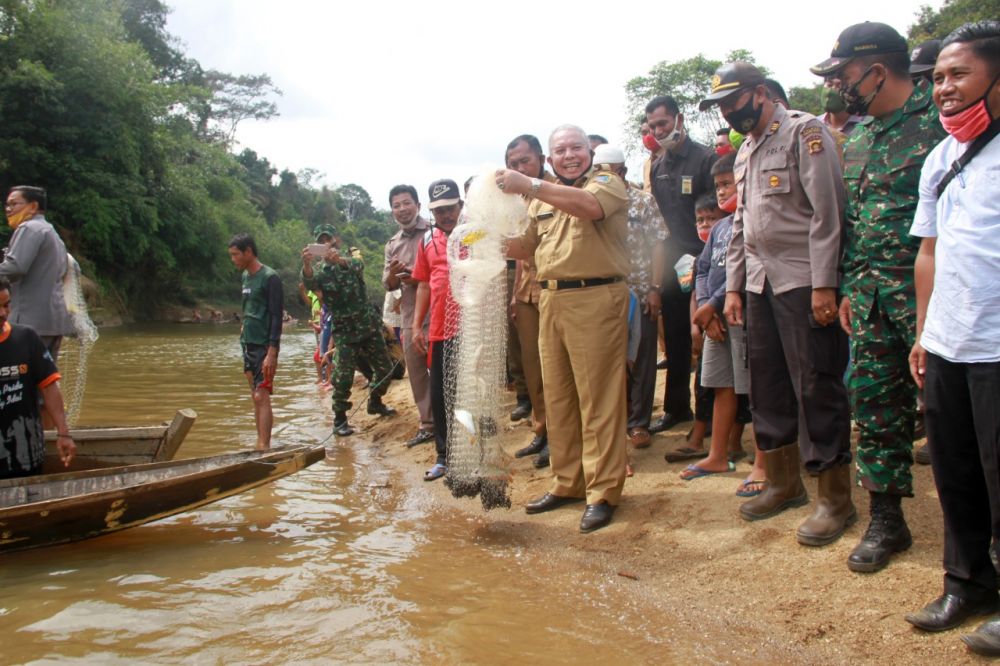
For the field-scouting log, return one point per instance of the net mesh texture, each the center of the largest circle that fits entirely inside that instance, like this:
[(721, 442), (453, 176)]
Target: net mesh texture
[(75, 348), (475, 359)]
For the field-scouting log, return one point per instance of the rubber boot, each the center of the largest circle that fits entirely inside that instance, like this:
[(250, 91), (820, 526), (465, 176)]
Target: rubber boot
[(834, 512), (784, 489), (887, 533)]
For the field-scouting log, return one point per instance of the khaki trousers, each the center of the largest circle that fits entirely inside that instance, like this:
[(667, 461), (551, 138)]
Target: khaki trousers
[(420, 379), (582, 344), (527, 322)]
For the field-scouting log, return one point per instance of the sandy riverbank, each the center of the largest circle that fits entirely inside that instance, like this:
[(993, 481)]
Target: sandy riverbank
[(748, 590)]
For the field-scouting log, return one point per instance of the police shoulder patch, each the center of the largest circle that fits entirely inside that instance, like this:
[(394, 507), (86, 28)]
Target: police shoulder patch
[(602, 178), (815, 146)]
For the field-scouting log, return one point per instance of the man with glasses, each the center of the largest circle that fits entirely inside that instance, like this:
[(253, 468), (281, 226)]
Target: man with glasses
[(35, 263)]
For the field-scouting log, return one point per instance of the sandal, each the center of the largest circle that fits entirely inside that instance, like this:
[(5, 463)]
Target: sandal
[(685, 453), (435, 473), (751, 487)]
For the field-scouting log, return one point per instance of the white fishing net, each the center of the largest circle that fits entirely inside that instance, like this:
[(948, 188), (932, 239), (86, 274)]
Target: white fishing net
[(75, 348), (475, 364)]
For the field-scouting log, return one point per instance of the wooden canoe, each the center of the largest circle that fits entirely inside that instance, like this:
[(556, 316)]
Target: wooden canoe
[(116, 446), (56, 508)]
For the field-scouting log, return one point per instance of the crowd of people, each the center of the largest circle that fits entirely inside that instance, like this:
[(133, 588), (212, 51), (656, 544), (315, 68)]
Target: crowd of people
[(797, 260)]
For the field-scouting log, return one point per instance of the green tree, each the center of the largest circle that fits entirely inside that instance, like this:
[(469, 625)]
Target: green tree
[(688, 81), (805, 98), (936, 24), (356, 200)]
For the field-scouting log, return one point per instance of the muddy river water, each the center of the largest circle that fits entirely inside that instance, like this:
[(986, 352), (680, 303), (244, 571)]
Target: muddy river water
[(340, 563)]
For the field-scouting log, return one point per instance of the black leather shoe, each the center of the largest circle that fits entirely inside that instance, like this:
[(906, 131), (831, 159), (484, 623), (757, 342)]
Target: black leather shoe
[(522, 411), (668, 421), (950, 610), (986, 639), (542, 461), (596, 516), (548, 502), (536, 446)]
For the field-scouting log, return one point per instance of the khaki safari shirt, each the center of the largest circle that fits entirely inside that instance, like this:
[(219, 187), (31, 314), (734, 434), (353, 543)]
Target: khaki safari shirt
[(403, 246), (788, 227), (567, 247)]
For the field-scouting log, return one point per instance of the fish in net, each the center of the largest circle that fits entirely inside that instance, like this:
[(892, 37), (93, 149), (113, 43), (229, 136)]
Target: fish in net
[(475, 369), (76, 347)]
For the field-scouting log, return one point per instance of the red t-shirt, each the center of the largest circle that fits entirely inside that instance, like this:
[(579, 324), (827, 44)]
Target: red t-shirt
[(432, 267)]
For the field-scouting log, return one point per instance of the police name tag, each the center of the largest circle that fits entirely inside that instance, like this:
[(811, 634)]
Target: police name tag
[(687, 184)]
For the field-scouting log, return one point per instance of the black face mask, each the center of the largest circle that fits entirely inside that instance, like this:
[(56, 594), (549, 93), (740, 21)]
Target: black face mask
[(744, 118), (854, 103)]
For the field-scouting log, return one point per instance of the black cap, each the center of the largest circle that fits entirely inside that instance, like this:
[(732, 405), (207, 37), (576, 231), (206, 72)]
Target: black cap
[(861, 39), (923, 58), (443, 192), (730, 78)]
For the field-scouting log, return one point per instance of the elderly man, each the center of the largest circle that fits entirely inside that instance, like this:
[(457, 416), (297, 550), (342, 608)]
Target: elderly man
[(882, 171), (35, 263), (577, 235), (400, 256), (785, 252), (646, 248), (957, 355)]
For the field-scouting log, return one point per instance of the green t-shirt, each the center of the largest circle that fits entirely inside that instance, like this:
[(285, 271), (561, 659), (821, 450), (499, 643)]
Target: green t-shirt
[(262, 307)]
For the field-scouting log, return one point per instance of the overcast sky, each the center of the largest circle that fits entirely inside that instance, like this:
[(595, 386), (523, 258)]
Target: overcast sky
[(379, 93)]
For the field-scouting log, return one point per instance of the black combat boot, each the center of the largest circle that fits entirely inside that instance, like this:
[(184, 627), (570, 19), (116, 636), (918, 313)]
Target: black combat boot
[(886, 534), (376, 406), (340, 426)]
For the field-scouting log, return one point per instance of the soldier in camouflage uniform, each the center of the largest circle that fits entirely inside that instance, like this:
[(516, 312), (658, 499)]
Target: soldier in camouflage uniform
[(355, 326), (882, 161)]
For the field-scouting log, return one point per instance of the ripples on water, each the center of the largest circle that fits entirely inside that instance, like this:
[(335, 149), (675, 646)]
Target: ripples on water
[(333, 564)]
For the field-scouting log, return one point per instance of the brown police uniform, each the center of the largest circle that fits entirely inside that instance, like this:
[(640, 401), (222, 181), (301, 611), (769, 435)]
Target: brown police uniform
[(583, 336), (787, 240)]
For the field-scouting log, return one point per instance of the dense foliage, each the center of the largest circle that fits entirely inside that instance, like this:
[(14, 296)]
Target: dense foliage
[(133, 140)]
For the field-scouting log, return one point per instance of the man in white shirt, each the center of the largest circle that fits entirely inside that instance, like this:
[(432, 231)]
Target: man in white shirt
[(957, 354)]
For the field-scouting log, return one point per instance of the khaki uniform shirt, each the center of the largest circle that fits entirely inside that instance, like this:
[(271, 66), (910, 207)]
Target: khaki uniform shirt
[(788, 228), (403, 246), (570, 248), (527, 289)]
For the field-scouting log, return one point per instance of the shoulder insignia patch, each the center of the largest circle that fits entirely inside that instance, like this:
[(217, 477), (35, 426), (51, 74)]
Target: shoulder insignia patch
[(775, 125), (602, 178), (815, 146), (810, 130)]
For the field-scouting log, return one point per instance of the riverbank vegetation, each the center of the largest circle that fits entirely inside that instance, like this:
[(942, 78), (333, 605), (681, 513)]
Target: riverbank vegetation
[(133, 140)]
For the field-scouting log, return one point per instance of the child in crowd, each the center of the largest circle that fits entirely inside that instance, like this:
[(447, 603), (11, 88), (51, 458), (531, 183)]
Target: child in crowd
[(724, 367)]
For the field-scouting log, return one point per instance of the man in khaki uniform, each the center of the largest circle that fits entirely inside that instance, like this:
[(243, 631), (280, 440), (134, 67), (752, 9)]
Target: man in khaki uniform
[(577, 233), (785, 251), (524, 155)]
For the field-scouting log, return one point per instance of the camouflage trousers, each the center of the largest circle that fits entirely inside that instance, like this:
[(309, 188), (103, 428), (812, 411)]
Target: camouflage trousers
[(346, 356), (883, 396)]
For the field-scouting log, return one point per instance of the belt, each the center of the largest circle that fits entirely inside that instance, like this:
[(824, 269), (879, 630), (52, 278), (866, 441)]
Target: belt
[(577, 284)]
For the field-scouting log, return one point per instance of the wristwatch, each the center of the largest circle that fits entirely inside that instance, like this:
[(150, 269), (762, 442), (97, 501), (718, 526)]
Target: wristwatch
[(536, 184)]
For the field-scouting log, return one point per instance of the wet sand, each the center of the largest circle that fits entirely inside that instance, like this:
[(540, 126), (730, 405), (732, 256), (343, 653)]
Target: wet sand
[(678, 550)]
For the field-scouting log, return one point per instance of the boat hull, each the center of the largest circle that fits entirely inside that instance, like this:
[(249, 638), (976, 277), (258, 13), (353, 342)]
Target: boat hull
[(59, 508)]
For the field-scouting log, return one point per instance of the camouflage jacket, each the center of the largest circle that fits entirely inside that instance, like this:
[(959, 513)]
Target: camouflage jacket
[(882, 162), (352, 316)]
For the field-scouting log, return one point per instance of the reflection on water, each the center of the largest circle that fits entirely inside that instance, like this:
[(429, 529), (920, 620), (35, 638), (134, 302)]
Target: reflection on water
[(334, 564)]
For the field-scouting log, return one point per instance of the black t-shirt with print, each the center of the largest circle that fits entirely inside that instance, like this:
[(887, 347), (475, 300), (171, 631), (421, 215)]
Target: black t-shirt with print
[(25, 368)]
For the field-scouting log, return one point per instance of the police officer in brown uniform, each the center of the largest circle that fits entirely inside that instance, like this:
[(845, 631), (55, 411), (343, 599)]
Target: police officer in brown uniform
[(785, 252), (576, 233)]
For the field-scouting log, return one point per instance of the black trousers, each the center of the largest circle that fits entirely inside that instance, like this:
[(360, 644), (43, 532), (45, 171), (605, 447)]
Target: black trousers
[(793, 362), (962, 414), (442, 356), (676, 314), (642, 376)]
